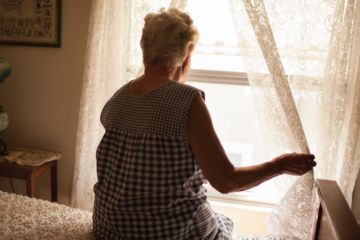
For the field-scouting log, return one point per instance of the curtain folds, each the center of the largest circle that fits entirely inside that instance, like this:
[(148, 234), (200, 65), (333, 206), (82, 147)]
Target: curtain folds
[(302, 61), (106, 62), (113, 57)]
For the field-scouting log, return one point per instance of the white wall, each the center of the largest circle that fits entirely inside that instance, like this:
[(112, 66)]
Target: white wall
[(42, 98)]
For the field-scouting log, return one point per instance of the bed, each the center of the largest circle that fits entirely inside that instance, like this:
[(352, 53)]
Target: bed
[(22, 217)]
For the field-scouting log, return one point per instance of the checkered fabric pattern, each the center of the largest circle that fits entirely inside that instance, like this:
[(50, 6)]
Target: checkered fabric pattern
[(149, 184)]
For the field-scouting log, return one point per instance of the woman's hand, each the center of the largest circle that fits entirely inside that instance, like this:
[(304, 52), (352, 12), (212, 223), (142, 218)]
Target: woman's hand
[(294, 163)]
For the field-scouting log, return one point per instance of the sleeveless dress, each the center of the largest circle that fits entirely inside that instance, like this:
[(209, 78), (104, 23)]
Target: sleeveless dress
[(149, 183)]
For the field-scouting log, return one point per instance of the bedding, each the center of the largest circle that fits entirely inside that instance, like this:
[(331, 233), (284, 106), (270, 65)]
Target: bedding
[(22, 217)]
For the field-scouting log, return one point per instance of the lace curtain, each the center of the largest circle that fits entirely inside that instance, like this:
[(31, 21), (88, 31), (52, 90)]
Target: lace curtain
[(302, 61), (113, 57)]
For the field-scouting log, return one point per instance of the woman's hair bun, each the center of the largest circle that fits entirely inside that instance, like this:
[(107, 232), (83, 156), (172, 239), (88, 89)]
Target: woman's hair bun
[(167, 36)]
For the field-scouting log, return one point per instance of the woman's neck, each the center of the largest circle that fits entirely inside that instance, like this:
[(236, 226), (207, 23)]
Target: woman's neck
[(158, 70), (176, 74)]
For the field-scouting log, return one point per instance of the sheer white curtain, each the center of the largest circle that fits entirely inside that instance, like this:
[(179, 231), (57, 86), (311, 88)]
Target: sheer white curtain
[(302, 60), (113, 56)]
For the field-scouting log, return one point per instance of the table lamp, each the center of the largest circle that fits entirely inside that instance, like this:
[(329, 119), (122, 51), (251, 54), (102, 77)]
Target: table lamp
[(5, 70)]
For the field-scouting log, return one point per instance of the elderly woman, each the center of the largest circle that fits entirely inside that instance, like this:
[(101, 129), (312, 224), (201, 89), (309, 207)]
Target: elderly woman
[(160, 147)]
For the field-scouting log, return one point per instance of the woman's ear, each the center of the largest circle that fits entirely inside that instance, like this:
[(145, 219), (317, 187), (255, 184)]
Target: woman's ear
[(187, 59)]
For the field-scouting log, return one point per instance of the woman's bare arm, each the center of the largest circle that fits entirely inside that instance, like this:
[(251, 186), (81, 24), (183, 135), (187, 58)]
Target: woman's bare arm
[(217, 168)]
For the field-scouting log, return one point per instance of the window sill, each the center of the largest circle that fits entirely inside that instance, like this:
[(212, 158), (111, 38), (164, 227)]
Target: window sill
[(248, 220), (234, 202)]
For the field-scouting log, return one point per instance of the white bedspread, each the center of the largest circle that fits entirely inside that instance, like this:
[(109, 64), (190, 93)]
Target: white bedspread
[(22, 217), (265, 237)]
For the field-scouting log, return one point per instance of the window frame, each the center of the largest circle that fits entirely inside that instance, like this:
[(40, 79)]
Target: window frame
[(218, 77)]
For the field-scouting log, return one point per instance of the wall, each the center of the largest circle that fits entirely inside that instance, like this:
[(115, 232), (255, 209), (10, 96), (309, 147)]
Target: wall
[(42, 98)]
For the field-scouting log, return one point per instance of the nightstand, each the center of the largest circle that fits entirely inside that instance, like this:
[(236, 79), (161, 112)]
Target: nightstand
[(29, 173)]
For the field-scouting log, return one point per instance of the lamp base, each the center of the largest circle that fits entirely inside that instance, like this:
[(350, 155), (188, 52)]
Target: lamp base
[(3, 148)]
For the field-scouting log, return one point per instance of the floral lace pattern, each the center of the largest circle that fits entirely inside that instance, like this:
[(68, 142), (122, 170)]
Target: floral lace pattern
[(29, 218), (307, 53), (32, 157), (265, 237)]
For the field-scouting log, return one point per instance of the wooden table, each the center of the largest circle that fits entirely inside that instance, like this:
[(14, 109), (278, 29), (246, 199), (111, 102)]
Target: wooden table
[(29, 173)]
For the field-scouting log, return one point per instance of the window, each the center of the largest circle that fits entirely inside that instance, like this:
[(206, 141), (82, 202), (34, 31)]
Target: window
[(218, 70)]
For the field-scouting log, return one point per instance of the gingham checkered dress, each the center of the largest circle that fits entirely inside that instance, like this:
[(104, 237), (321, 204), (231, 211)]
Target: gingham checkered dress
[(149, 184)]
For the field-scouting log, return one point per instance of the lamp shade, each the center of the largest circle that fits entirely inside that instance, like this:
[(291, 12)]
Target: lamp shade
[(5, 69), (4, 121)]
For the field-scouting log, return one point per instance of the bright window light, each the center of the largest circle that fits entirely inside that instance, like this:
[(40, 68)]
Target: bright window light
[(218, 44), (235, 121), (231, 106)]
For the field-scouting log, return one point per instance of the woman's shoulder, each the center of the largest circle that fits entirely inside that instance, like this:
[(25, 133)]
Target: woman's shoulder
[(119, 91), (114, 100), (182, 88)]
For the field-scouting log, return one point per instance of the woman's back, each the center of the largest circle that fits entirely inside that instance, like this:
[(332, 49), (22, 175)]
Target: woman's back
[(149, 184)]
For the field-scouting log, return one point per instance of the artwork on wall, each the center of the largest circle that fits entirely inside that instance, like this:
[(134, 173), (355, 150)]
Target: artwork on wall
[(30, 22)]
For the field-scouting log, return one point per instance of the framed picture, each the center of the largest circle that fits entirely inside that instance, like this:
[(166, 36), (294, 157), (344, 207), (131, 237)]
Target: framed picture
[(30, 22)]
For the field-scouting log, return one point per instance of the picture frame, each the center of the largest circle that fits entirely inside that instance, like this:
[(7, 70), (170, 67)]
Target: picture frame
[(30, 23)]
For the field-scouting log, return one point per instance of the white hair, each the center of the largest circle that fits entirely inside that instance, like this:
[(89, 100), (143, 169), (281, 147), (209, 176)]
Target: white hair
[(167, 36)]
